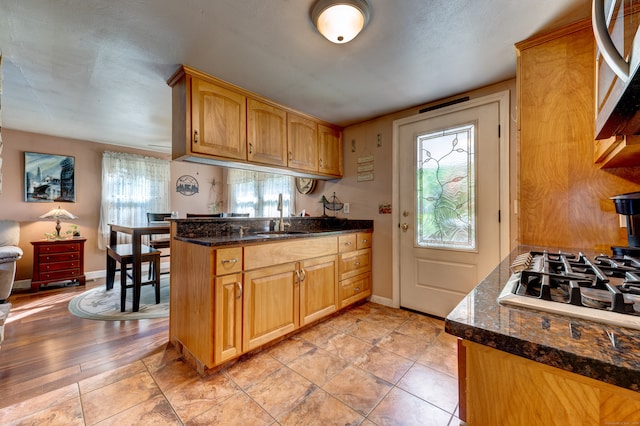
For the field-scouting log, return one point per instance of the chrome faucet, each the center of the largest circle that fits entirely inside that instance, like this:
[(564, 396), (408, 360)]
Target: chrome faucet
[(280, 208)]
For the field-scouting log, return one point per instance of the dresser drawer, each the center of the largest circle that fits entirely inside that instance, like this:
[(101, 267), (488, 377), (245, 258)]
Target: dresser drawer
[(228, 261), (60, 275), (60, 248), (58, 266), (354, 263), (59, 257)]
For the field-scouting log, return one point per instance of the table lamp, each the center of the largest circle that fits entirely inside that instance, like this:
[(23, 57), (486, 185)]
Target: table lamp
[(58, 214)]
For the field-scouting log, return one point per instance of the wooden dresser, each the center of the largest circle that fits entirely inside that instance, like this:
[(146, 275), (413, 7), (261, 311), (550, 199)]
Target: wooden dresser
[(57, 260)]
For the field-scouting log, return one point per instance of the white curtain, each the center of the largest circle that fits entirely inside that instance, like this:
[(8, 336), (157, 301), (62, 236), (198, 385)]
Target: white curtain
[(257, 193), (132, 185)]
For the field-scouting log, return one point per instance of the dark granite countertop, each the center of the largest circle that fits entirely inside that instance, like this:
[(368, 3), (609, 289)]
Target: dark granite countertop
[(226, 231), (579, 346)]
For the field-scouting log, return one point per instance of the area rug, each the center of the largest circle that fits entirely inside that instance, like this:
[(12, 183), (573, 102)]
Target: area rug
[(101, 304)]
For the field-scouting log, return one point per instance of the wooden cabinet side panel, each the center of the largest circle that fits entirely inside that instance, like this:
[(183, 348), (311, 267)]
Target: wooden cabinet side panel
[(263, 255), (266, 133), (219, 116), (191, 299), (228, 317), (329, 151), (318, 289), (558, 179), (509, 390), (302, 142), (271, 306)]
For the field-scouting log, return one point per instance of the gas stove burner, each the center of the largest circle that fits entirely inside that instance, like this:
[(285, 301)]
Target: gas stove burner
[(603, 288)]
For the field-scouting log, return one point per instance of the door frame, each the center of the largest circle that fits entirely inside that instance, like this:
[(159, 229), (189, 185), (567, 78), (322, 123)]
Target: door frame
[(503, 99)]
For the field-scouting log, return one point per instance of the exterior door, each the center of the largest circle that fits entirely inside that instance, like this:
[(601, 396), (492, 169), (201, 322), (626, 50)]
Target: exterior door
[(449, 193)]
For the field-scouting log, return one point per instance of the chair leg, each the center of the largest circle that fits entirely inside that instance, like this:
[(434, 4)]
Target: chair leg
[(156, 277), (123, 286)]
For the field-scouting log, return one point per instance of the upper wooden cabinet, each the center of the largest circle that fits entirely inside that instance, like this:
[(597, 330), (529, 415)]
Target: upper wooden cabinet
[(217, 123), (302, 141), (217, 120), (330, 151), (266, 133)]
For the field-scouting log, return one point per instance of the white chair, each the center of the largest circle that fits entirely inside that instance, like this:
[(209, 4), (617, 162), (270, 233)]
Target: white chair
[(10, 253)]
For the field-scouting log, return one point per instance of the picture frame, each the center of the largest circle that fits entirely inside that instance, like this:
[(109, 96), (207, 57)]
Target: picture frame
[(49, 178)]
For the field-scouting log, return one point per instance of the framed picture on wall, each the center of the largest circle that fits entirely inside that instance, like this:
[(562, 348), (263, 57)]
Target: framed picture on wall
[(49, 178)]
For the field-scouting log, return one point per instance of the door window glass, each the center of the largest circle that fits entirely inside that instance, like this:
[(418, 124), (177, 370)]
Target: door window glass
[(446, 189)]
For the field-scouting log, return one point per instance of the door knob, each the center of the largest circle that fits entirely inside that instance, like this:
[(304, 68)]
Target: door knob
[(404, 227)]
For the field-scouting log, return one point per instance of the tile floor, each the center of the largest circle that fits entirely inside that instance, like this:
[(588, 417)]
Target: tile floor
[(371, 365)]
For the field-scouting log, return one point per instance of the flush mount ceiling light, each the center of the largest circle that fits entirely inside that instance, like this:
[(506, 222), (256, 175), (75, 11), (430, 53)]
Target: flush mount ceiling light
[(340, 21)]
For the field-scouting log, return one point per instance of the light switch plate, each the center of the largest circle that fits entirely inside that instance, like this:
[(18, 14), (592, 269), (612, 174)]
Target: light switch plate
[(345, 208)]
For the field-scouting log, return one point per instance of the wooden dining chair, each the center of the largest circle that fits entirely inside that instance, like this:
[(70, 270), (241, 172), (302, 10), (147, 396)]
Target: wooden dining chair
[(123, 254), (155, 242)]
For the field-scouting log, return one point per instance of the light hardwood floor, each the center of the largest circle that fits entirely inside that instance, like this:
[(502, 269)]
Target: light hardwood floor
[(370, 365)]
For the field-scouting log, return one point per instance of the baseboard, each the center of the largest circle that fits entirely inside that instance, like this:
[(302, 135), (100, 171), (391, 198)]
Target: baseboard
[(382, 301)]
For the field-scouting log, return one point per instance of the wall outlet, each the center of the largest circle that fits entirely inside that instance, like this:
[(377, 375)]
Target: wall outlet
[(345, 208)]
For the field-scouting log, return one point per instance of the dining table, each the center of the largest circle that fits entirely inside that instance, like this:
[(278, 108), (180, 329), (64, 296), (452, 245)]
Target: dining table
[(136, 232)]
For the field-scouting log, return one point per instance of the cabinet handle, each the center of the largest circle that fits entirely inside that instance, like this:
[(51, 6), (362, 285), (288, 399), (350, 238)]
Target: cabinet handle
[(196, 139), (321, 163), (250, 148), (604, 43), (356, 263), (234, 260), (365, 241), (357, 289), (348, 243), (304, 274), (239, 284), (298, 274)]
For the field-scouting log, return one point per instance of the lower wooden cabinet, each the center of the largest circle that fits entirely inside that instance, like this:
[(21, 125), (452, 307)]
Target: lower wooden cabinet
[(318, 288), (228, 301), (227, 337), (504, 389), (271, 304)]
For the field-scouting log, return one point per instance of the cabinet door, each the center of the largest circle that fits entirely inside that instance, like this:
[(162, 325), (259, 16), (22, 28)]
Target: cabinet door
[(330, 151), (228, 317), (302, 141), (218, 120), (267, 133), (318, 288), (271, 304)]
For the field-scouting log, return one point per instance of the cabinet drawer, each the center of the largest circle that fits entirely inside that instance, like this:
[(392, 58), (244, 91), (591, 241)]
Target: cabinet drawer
[(347, 242), (354, 263), (58, 257), (58, 266), (364, 240), (60, 248), (228, 261), (355, 288)]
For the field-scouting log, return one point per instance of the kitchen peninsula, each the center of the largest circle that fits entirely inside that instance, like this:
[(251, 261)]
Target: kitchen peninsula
[(520, 366), (237, 284)]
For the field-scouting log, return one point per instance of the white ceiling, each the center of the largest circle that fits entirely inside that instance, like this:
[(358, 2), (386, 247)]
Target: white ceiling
[(96, 70)]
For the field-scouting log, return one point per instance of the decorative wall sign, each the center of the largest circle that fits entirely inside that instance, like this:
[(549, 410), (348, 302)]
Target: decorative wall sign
[(49, 178), (187, 185)]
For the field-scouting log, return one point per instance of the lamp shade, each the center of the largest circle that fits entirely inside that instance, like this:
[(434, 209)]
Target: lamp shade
[(58, 214), (340, 21)]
